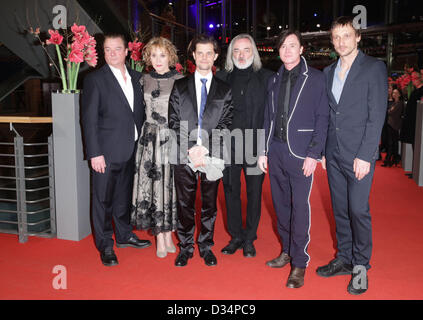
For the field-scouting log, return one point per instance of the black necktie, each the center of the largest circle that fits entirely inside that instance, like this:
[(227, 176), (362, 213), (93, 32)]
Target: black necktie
[(286, 104)]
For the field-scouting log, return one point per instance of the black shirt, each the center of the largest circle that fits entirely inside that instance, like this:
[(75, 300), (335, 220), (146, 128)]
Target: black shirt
[(283, 110), (239, 85)]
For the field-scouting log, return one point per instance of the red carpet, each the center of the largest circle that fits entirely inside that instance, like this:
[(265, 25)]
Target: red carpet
[(26, 270)]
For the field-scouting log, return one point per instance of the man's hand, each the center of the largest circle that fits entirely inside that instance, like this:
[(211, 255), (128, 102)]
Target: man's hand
[(197, 154), (361, 168), (309, 166), (262, 163), (98, 164), (324, 163)]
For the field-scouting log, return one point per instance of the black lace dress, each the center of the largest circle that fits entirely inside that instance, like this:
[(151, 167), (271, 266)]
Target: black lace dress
[(154, 195)]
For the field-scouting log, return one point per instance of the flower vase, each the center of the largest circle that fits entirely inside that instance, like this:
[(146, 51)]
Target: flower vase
[(72, 175)]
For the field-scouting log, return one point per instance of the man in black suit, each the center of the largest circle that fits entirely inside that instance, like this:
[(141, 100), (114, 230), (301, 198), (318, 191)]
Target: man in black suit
[(357, 87), (112, 115), (248, 81), (200, 110)]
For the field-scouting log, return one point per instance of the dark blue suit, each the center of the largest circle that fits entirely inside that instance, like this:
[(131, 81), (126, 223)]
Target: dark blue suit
[(355, 125), (306, 135)]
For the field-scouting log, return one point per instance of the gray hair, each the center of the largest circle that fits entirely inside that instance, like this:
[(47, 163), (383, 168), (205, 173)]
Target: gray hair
[(229, 64)]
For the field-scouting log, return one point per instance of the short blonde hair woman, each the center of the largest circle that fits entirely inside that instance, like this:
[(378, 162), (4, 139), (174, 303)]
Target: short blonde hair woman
[(162, 43)]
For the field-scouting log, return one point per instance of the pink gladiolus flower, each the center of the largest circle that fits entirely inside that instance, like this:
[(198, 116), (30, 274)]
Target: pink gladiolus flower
[(77, 46), (76, 56), (55, 37), (83, 38), (92, 42), (77, 29), (91, 60)]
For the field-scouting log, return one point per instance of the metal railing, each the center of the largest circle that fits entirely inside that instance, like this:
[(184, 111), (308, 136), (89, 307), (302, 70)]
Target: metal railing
[(27, 202)]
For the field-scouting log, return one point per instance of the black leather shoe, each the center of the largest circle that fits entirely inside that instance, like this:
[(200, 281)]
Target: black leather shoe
[(134, 242), (359, 282), (249, 250), (296, 278), (209, 258), (280, 261), (108, 258), (335, 268), (233, 246), (182, 259)]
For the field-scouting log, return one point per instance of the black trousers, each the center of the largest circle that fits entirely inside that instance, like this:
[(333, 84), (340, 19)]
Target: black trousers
[(111, 199), (350, 204), (186, 191), (392, 144), (232, 187)]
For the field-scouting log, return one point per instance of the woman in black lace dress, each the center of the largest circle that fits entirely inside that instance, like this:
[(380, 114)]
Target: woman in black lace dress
[(154, 196)]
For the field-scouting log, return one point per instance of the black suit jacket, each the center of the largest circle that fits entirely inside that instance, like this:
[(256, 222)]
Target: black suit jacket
[(355, 124), (183, 116), (107, 119)]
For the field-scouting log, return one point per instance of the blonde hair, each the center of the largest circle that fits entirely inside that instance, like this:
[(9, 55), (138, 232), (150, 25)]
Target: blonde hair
[(162, 43), (229, 65)]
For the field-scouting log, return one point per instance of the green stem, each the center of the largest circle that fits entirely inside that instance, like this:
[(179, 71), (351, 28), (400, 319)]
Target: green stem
[(62, 70), (75, 76), (69, 73)]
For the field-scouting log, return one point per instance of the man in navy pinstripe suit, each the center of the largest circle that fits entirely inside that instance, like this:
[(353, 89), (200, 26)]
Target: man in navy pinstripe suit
[(295, 123)]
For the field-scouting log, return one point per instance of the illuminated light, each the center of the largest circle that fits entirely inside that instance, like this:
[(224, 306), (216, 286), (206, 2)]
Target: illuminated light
[(211, 26), (315, 14), (280, 27), (318, 25), (218, 25), (268, 28)]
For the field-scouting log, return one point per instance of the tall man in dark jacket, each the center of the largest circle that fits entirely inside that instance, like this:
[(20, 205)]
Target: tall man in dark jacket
[(357, 88), (248, 81), (112, 115), (296, 123)]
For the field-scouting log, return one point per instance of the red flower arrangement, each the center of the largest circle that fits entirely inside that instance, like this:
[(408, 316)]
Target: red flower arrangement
[(190, 67), (136, 48), (179, 68), (82, 49)]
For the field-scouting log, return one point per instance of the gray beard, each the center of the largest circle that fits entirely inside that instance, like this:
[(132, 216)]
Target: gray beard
[(243, 66)]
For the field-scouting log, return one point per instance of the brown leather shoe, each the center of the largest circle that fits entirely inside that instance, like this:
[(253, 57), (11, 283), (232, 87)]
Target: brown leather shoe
[(280, 261), (296, 278)]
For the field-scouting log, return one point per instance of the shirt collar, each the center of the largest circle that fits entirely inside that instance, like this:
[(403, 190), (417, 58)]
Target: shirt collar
[(198, 76), (295, 70), (116, 72)]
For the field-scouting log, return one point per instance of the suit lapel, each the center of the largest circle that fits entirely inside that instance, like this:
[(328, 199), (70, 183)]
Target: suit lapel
[(210, 98), (137, 92), (331, 74), (211, 93), (116, 86), (354, 71), (192, 94)]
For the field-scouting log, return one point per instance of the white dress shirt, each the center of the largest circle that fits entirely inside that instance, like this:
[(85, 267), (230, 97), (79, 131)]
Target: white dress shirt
[(127, 88), (198, 86)]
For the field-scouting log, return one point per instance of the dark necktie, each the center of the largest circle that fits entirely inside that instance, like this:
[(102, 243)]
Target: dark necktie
[(287, 96), (202, 105), (286, 105)]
